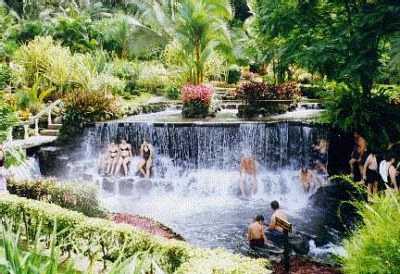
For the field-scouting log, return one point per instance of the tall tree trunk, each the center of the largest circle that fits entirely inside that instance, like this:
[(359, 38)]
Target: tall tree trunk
[(198, 67)]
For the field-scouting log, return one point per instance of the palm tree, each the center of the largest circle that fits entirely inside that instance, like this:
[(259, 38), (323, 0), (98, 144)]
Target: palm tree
[(198, 26), (200, 30)]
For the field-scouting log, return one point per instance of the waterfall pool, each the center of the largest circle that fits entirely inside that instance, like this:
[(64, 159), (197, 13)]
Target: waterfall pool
[(196, 181)]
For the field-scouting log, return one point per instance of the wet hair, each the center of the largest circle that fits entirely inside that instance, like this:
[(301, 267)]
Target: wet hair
[(259, 218), (389, 156), (274, 205)]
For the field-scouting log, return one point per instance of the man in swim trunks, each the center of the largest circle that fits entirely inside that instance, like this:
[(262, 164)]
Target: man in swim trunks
[(255, 233), (145, 166), (306, 178), (275, 232), (248, 170), (358, 156), (125, 155)]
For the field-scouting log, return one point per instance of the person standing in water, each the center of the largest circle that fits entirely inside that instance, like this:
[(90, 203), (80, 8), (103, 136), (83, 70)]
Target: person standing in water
[(248, 171), (255, 232), (370, 174), (146, 164), (275, 232), (306, 178), (392, 172), (358, 156), (125, 155)]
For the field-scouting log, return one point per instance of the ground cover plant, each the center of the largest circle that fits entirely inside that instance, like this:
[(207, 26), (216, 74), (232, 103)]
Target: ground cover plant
[(70, 195)]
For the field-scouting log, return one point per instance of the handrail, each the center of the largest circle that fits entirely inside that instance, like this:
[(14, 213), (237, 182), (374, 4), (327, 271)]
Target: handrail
[(46, 110), (35, 120)]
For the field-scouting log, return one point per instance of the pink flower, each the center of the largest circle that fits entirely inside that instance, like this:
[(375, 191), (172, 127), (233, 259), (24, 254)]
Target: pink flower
[(200, 93)]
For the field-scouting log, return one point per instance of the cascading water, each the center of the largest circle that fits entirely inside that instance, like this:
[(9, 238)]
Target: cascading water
[(196, 173)]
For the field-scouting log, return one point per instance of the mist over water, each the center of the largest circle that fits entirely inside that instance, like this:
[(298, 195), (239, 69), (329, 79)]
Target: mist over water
[(196, 174)]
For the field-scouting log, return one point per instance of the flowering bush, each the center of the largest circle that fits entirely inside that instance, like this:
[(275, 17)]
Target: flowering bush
[(200, 93), (255, 91), (255, 94), (196, 100)]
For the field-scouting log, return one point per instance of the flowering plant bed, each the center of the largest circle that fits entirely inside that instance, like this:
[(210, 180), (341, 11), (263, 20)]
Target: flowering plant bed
[(196, 100), (264, 99)]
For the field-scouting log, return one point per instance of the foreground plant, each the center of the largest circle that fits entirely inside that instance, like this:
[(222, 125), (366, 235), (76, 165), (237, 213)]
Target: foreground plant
[(32, 260), (374, 246)]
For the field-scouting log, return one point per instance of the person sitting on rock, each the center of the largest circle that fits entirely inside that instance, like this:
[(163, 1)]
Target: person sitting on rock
[(248, 171), (125, 155), (146, 164), (275, 232), (109, 159), (255, 233)]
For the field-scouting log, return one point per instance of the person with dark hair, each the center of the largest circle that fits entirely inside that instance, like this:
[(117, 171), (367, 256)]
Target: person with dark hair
[(146, 164), (358, 156), (255, 233), (125, 156), (392, 172), (275, 232), (370, 174)]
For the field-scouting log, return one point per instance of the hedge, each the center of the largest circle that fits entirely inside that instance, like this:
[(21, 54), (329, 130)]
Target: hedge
[(104, 241), (80, 197)]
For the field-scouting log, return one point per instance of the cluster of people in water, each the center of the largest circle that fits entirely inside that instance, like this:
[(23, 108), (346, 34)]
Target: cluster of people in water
[(311, 176), (258, 236), (376, 170), (118, 157)]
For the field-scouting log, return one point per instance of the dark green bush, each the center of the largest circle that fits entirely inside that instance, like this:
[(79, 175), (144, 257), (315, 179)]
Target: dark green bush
[(195, 109), (375, 116), (70, 195), (234, 74)]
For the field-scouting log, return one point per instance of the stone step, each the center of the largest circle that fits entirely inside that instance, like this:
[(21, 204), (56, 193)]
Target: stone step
[(54, 126), (49, 132)]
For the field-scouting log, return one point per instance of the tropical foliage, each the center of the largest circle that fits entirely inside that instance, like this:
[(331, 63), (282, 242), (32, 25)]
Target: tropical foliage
[(373, 247)]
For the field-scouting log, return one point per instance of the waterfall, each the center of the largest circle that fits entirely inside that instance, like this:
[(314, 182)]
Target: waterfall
[(274, 145)]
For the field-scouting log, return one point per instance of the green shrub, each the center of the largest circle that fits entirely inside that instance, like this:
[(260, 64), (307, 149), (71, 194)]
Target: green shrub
[(172, 92), (233, 74), (5, 75), (374, 246), (102, 240), (14, 157), (34, 260), (152, 77), (70, 195), (83, 107), (7, 119)]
